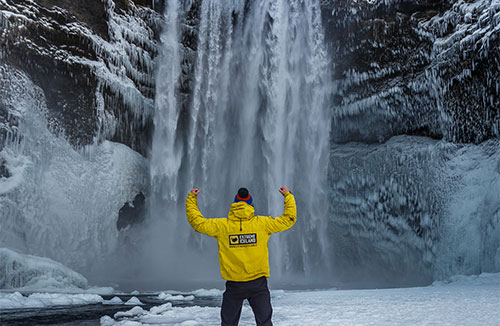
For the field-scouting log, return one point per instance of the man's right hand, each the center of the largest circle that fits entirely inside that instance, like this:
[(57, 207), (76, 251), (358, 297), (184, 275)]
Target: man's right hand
[(195, 191), (284, 190)]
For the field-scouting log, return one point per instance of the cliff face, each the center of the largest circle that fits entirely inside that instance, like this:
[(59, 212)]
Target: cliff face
[(415, 67), (93, 61), (74, 74), (424, 68), (400, 68)]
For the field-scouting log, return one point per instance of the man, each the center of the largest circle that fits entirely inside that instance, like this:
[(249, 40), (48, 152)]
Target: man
[(243, 254)]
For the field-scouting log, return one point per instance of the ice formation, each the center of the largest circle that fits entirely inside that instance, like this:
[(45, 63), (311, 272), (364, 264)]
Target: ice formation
[(170, 297), (42, 300), (414, 209), (113, 301), (60, 202), (16, 300), (133, 301), (57, 200), (207, 293), (25, 271)]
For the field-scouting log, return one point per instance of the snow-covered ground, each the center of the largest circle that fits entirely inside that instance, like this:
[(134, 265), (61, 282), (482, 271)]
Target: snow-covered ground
[(16, 300), (472, 300), (462, 300), (42, 300)]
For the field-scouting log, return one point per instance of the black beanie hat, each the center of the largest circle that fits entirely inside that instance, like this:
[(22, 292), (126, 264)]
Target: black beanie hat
[(243, 195)]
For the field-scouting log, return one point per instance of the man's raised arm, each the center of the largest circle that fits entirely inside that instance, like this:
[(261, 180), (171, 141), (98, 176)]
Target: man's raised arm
[(289, 216), (196, 219)]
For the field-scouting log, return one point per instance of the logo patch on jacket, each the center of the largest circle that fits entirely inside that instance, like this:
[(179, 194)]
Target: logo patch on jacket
[(243, 240)]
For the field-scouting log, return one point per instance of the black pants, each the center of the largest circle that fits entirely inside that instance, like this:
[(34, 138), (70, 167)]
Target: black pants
[(257, 294)]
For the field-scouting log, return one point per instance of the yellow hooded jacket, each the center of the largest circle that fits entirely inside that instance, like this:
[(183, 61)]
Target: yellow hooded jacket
[(242, 237)]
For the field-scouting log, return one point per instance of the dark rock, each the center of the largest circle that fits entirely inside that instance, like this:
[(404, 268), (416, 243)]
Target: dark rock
[(68, 87), (4, 129), (131, 214), (124, 5), (8, 123), (3, 125), (394, 75), (90, 12), (465, 70), (378, 57), (60, 45), (4, 172), (189, 41)]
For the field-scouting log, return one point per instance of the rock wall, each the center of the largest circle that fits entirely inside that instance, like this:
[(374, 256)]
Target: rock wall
[(402, 67), (92, 59), (426, 68), (77, 79)]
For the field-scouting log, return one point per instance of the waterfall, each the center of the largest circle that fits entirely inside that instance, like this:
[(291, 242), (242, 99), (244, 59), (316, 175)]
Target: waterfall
[(255, 114)]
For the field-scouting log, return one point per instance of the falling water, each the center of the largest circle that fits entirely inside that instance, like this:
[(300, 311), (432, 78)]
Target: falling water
[(256, 114)]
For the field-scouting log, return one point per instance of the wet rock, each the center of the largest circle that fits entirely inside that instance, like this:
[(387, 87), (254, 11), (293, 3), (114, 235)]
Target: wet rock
[(413, 67), (132, 213), (29, 43), (4, 172), (93, 61), (464, 72)]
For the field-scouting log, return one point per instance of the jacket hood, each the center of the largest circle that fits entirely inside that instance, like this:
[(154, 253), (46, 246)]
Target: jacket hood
[(241, 211)]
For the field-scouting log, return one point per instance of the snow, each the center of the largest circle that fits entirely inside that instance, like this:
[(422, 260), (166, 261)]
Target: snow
[(160, 309), (136, 311), (133, 301), (462, 37), (462, 300), (27, 273), (113, 301), (170, 297), (32, 272), (40, 300), (16, 300), (207, 293)]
